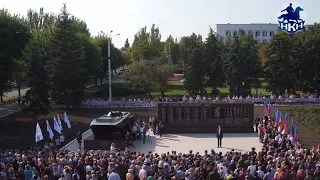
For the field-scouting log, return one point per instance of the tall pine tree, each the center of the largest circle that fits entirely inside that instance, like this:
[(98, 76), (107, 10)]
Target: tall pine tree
[(66, 65), (38, 94), (213, 54), (241, 64), (194, 72)]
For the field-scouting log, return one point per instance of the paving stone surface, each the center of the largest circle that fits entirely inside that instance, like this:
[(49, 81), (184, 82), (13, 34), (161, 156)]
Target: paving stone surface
[(185, 142)]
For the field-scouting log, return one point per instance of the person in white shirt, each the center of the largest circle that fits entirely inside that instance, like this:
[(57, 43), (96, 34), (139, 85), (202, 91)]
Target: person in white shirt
[(113, 148), (252, 169), (222, 171), (61, 140), (143, 173), (260, 172), (57, 142), (184, 98)]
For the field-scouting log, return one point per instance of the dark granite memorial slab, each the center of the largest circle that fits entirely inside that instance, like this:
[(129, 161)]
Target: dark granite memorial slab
[(205, 117), (93, 143)]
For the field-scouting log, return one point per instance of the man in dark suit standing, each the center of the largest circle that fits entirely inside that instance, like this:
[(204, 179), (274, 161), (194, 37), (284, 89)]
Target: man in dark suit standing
[(219, 134)]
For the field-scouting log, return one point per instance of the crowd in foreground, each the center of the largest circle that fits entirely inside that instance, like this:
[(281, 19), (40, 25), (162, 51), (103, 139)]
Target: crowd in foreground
[(280, 159), (138, 102)]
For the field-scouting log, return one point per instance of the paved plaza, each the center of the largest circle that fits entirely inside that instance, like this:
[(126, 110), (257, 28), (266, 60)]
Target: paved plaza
[(185, 142)]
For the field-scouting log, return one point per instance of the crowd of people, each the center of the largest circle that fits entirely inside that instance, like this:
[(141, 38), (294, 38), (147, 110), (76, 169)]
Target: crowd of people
[(281, 158), (137, 102)]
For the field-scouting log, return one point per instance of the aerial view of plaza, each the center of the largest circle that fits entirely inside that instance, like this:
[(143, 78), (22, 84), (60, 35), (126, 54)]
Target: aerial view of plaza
[(159, 90)]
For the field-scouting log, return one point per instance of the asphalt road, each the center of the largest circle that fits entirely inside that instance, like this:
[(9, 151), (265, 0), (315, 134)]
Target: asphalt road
[(14, 92)]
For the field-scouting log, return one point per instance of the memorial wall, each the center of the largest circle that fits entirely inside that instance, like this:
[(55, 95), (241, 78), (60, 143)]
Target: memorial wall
[(205, 117)]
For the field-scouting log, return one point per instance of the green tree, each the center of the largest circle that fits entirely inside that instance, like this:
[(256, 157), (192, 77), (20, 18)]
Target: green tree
[(140, 76), (14, 38), (147, 45), (126, 44), (214, 60), (92, 57), (38, 94), (262, 52), (241, 64), (280, 70), (161, 71), (171, 47), (38, 21), (306, 49), (66, 66), (194, 65)]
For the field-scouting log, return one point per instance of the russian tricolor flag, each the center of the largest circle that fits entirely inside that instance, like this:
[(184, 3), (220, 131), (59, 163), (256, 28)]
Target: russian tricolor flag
[(293, 130), (276, 120), (280, 118), (296, 136), (285, 125)]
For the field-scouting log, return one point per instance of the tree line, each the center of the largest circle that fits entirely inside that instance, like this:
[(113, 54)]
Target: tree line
[(58, 56), (55, 53), (288, 63)]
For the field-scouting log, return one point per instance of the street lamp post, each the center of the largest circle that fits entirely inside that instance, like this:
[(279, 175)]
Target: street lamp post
[(109, 61)]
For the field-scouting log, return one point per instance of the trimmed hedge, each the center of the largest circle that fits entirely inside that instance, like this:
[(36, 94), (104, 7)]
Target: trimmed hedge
[(309, 116), (118, 90)]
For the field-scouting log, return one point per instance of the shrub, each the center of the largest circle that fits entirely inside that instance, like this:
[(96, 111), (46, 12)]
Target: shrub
[(118, 90)]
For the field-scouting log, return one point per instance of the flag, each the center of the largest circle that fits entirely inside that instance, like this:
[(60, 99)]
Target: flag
[(269, 108), (285, 124), (56, 125), (275, 107), (38, 135), (292, 129), (49, 130), (296, 136), (265, 107), (280, 118), (59, 122), (276, 120), (66, 120)]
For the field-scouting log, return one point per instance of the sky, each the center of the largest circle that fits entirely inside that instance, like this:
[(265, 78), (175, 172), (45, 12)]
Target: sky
[(173, 17)]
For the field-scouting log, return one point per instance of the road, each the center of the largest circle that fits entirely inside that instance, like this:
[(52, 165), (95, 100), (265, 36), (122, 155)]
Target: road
[(14, 92)]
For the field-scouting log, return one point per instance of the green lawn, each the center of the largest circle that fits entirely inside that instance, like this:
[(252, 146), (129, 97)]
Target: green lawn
[(176, 89)]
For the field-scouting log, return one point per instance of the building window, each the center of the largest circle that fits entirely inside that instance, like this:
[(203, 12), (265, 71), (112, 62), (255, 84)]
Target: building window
[(264, 40), (235, 33), (228, 33), (271, 33), (264, 33), (257, 33), (250, 33), (258, 41)]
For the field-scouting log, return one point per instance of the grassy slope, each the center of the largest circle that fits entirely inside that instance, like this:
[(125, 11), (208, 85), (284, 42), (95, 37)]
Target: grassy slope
[(176, 89)]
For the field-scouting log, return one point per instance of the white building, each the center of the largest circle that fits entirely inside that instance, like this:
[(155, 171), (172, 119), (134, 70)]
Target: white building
[(261, 32)]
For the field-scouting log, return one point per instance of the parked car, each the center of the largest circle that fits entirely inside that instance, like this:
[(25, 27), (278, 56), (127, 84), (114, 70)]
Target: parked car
[(13, 85)]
